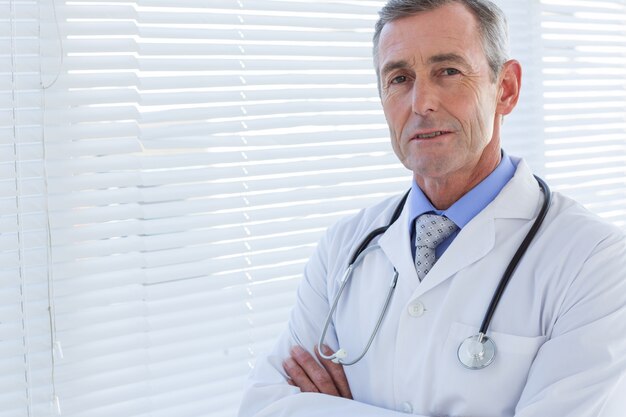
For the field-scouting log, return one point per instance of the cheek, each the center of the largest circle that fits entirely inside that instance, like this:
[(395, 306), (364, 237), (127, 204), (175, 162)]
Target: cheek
[(397, 99), (395, 130), (395, 116), (475, 113), (485, 114)]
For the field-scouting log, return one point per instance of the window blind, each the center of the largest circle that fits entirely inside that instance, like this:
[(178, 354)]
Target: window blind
[(25, 343), (584, 80), (195, 154), (186, 157)]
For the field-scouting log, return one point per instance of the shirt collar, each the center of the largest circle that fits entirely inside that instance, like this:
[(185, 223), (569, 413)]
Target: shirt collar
[(472, 203)]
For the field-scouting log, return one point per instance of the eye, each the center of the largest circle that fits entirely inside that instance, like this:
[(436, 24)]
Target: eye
[(451, 71), (398, 80)]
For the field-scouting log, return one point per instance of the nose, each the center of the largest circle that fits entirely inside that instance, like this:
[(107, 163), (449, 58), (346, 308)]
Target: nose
[(424, 98)]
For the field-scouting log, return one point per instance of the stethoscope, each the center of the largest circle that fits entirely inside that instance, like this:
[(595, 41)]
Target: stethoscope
[(475, 352)]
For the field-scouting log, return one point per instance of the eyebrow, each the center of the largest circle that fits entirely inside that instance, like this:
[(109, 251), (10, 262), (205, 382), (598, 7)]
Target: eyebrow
[(450, 57), (435, 59), (393, 65)]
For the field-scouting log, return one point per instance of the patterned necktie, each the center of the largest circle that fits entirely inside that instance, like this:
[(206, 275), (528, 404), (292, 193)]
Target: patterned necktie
[(430, 231)]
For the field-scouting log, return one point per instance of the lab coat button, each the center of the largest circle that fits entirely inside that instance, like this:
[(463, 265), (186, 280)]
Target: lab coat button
[(416, 309), (407, 407)]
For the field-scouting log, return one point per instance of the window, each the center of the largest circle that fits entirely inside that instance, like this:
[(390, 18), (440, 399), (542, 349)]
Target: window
[(584, 75), (167, 168)]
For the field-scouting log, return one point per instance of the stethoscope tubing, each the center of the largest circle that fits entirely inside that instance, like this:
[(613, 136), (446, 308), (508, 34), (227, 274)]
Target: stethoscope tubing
[(371, 235), (521, 250), (337, 356)]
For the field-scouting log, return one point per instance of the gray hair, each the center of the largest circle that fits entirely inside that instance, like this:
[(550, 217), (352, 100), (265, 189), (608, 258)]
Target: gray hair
[(490, 18)]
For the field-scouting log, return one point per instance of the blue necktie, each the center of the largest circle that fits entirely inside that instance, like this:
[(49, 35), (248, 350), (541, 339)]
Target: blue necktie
[(430, 231)]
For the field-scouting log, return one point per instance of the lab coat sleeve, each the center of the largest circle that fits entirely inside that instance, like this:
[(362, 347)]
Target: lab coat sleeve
[(267, 392), (581, 369)]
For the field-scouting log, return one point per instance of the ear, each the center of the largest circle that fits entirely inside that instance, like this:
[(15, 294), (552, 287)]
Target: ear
[(510, 82)]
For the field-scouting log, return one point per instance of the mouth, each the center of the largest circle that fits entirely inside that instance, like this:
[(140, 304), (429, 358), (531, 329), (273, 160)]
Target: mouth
[(430, 135)]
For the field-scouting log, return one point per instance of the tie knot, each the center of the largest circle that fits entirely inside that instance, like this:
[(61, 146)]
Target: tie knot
[(432, 229)]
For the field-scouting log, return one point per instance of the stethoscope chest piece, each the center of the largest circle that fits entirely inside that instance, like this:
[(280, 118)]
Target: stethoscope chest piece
[(477, 352)]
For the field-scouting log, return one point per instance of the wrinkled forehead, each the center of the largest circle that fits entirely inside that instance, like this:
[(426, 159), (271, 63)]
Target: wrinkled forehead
[(445, 30)]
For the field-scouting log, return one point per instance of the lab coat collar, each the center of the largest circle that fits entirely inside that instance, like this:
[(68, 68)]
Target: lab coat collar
[(395, 243), (519, 199)]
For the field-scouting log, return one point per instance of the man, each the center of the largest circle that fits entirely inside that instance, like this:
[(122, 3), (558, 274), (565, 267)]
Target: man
[(560, 327)]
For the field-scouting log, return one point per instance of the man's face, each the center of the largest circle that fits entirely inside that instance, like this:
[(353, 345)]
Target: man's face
[(438, 93)]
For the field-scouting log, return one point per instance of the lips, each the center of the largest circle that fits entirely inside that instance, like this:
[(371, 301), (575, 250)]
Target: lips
[(430, 135)]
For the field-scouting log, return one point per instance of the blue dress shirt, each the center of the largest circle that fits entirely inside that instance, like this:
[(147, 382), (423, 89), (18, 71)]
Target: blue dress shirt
[(464, 209)]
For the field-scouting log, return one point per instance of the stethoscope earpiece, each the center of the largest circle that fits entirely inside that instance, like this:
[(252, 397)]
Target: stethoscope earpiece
[(339, 356)]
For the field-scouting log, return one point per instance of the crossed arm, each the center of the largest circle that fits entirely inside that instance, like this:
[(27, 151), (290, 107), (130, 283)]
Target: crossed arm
[(307, 374), (578, 371)]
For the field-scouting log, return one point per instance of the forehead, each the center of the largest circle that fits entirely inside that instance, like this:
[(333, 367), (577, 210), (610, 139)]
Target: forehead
[(448, 29)]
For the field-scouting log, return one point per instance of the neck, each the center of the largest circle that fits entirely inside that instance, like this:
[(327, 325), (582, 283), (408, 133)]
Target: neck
[(445, 191)]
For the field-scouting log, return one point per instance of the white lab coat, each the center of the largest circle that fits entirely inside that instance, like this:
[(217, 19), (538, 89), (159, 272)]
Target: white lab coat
[(560, 327)]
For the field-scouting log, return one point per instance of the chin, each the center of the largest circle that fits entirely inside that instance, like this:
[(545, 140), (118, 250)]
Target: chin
[(431, 167)]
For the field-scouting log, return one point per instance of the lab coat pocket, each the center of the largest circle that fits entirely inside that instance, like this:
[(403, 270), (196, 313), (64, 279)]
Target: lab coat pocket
[(496, 388)]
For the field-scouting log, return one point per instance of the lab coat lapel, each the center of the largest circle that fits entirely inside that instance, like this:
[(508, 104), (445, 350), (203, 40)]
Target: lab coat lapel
[(517, 200), (397, 247)]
